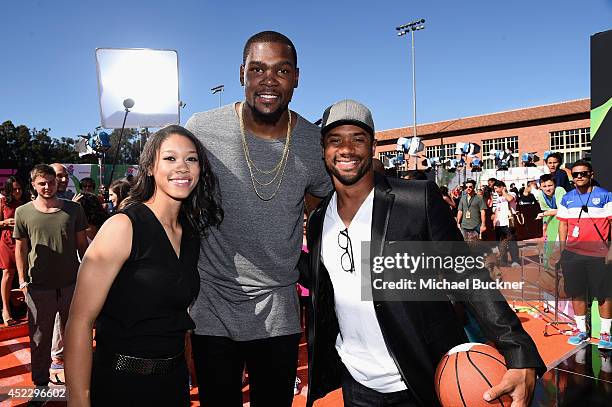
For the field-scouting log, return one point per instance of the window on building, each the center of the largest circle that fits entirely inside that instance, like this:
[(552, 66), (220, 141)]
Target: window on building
[(388, 154), (573, 144), (436, 151), (501, 143)]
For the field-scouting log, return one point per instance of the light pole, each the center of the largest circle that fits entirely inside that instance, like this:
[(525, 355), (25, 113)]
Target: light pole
[(218, 89), (404, 29)]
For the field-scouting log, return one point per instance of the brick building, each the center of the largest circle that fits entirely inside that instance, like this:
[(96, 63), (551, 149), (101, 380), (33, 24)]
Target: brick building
[(562, 127)]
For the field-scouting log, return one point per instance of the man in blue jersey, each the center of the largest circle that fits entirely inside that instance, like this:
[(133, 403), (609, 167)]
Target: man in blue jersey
[(584, 217)]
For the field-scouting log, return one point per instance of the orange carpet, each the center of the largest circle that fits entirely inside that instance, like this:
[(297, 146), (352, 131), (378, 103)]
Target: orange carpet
[(15, 362)]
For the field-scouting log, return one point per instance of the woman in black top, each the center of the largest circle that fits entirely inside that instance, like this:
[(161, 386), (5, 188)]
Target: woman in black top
[(138, 277)]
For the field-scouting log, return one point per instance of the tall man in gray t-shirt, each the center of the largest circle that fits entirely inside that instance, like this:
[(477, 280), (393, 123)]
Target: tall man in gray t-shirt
[(266, 158), (49, 232), (471, 213)]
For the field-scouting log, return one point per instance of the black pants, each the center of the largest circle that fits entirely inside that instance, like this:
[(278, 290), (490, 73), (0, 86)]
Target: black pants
[(43, 304), (586, 274), (271, 363), (356, 394), (507, 243)]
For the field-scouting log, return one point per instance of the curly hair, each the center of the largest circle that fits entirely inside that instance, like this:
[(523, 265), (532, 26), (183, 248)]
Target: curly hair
[(202, 208)]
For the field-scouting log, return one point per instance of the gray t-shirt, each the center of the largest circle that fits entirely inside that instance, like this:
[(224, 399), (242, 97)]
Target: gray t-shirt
[(248, 266), (473, 206), (52, 259)]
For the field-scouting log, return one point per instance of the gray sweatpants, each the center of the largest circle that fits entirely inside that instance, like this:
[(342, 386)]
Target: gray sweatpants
[(43, 304)]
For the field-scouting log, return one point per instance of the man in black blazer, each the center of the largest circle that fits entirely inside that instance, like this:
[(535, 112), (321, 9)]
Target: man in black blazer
[(385, 352)]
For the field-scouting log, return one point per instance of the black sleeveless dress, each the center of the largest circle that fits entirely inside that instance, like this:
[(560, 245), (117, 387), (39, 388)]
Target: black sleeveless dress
[(145, 315)]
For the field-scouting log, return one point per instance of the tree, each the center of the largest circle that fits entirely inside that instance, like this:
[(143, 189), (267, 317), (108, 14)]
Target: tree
[(22, 148), (130, 150)]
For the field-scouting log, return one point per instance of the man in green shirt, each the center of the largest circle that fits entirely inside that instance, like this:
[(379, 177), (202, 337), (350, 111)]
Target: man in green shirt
[(549, 200), (471, 212), (48, 231)]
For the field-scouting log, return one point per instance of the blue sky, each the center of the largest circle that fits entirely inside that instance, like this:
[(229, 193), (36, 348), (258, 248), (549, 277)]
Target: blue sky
[(474, 57)]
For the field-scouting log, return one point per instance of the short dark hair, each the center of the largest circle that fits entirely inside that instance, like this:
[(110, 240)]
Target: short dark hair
[(492, 179), (499, 183), (40, 170), (556, 155), (202, 207), (546, 178), (583, 163), (87, 180), (471, 181), (268, 36)]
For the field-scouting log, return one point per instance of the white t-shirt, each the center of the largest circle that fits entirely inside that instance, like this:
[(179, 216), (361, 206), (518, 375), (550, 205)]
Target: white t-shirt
[(503, 208), (360, 343)]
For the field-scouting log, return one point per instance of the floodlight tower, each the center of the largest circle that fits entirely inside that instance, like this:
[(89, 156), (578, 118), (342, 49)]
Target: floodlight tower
[(404, 29), (218, 89)]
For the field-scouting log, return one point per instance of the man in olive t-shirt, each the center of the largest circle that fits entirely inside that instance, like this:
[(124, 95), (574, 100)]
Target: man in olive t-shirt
[(471, 212), (48, 231)]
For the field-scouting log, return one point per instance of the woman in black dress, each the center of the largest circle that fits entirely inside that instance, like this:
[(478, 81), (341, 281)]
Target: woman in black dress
[(138, 278)]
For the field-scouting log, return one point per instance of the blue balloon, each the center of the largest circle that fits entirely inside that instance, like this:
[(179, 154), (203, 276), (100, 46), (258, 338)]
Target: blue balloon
[(100, 142), (105, 139)]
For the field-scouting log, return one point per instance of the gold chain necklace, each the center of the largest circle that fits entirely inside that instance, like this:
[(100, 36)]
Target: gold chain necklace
[(278, 170)]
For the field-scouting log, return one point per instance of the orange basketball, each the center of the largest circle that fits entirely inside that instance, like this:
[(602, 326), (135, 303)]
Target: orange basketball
[(466, 372)]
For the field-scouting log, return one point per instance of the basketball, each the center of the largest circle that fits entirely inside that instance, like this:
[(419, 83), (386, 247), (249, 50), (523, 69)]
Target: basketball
[(466, 372)]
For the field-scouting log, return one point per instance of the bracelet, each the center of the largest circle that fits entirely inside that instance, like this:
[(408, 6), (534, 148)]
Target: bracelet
[(23, 285)]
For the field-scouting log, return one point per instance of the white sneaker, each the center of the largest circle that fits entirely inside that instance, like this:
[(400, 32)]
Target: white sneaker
[(515, 264), (296, 386)]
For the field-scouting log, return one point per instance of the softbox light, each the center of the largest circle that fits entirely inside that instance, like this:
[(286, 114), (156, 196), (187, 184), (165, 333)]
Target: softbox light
[(147, 76), (415, 146), (431, 162), (402, 144), (476, 165), (462, 148)]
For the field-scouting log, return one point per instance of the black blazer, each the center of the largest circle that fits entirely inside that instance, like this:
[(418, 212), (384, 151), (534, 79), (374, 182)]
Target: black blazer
[(417, 334)]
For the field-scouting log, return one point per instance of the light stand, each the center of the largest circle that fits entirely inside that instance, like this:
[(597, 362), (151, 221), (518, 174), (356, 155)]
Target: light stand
[(101, 157), (128, 104), (404, 29)]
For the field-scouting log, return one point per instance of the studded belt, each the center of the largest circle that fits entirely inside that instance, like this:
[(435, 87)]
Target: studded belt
[(145, 367)]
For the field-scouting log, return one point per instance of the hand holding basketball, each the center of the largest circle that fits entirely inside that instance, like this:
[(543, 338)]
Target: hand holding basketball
[(475, 375), (518, 383)]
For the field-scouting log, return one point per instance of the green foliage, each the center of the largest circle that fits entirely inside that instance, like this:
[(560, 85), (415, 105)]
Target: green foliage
[(22, 148)]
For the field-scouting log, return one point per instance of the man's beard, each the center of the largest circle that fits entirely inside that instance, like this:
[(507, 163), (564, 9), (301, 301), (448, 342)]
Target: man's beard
[(266, 118), (352, 179)]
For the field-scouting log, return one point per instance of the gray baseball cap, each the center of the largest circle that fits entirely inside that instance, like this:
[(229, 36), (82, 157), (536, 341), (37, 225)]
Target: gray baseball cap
[(347, 112)]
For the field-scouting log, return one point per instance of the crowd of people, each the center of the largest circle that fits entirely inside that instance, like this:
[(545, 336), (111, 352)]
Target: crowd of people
[(39, 248), (575, 215), (201, 257)]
